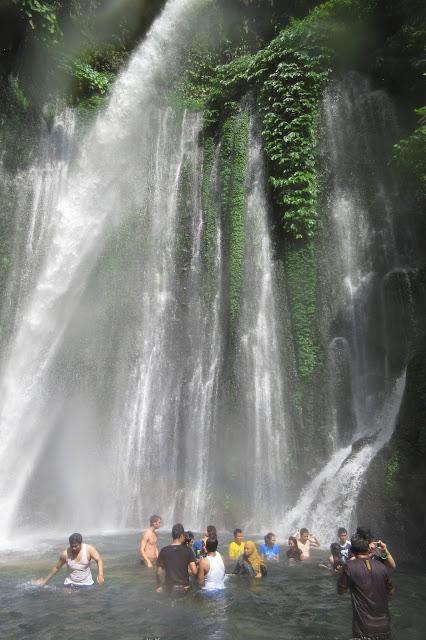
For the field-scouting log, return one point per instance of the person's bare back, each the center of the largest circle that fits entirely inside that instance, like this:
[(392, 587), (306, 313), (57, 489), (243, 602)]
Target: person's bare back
[(148, 546)]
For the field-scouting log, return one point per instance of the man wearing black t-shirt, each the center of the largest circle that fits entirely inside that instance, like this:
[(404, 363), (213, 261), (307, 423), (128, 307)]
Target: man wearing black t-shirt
[(370, 587), (175, 562)]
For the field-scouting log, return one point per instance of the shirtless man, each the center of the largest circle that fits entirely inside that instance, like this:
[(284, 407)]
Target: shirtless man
[(148, 547), (77, 557), (305, 540)]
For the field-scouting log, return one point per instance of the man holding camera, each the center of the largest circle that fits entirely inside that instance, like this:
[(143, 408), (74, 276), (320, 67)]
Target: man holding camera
[(370, 587)]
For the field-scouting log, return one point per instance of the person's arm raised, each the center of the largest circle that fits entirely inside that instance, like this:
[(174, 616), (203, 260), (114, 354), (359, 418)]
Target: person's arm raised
[(385, 554)]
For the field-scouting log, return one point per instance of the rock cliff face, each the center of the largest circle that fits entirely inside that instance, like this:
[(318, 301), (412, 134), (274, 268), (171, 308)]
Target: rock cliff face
[(392, 499)]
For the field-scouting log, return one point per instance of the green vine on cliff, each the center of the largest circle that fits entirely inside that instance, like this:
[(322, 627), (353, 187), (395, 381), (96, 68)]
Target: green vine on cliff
[(289, 76), (42, 18), (302, 286), (410, 155), (288, 100), (392, 470), (233, 159), (210, 212)]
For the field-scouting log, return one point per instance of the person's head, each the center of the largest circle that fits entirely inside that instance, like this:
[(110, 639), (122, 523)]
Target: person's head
[(342, 534), (211, 532), (359, 545), (336, 551), (155, 521), (211, 545), (304, 535), (189, 538), (238, 536), (75, 540), (365, 533), (249, 548), (292, 542), (178, 532), (270, 539)]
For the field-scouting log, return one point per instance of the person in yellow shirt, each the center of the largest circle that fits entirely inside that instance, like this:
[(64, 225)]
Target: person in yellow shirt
[(236, 548)]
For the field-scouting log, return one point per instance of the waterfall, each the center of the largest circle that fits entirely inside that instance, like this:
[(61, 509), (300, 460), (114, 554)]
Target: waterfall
[(117, 350), (69, 222), (365, 393), (169, 414), (260, 368)]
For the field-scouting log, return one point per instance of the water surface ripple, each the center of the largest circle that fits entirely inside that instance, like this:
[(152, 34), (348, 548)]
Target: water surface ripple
[(293, 603)]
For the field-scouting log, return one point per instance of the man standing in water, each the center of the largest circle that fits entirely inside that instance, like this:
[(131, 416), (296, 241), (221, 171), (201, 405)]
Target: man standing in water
[(77, 557), (344, 544), (175, 562), (148, 547), (370, 588), (305, 540)]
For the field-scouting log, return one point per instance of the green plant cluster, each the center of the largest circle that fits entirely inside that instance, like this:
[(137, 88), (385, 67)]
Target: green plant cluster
[(288, 101), (289, 76), (210, 210), (232, 175), (410, 155), (18, 124), (88, 80), (391, 473), (301, 270), (42, 18), (228, 86)]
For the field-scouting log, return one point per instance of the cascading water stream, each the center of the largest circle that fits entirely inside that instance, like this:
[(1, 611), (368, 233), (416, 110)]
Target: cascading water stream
[(169, 417), (364, 395), (260, 371), (72, 225)]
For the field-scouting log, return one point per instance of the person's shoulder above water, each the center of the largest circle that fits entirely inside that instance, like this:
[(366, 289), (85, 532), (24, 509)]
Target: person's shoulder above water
[(269, 551), (235, 549)]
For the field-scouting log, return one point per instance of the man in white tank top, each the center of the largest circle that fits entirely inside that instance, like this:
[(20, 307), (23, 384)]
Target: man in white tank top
[(211, 570), (77, 557)]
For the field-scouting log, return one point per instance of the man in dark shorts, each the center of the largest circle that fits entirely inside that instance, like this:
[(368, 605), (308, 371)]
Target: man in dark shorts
[(175, 562), (370, 588)]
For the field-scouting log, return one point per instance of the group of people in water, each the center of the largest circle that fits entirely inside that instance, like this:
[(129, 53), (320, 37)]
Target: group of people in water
[(361, 565)]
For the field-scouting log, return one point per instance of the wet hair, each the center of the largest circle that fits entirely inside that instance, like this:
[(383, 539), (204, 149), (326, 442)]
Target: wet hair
[(336, 551), (365, 533), (269, 537), (211, 532), (359, 544), (211, 544), (75, 538), (188, 537), (341, 530), (237, 531), (153, 519), (177, 531), (293, 552), (303, 530)]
